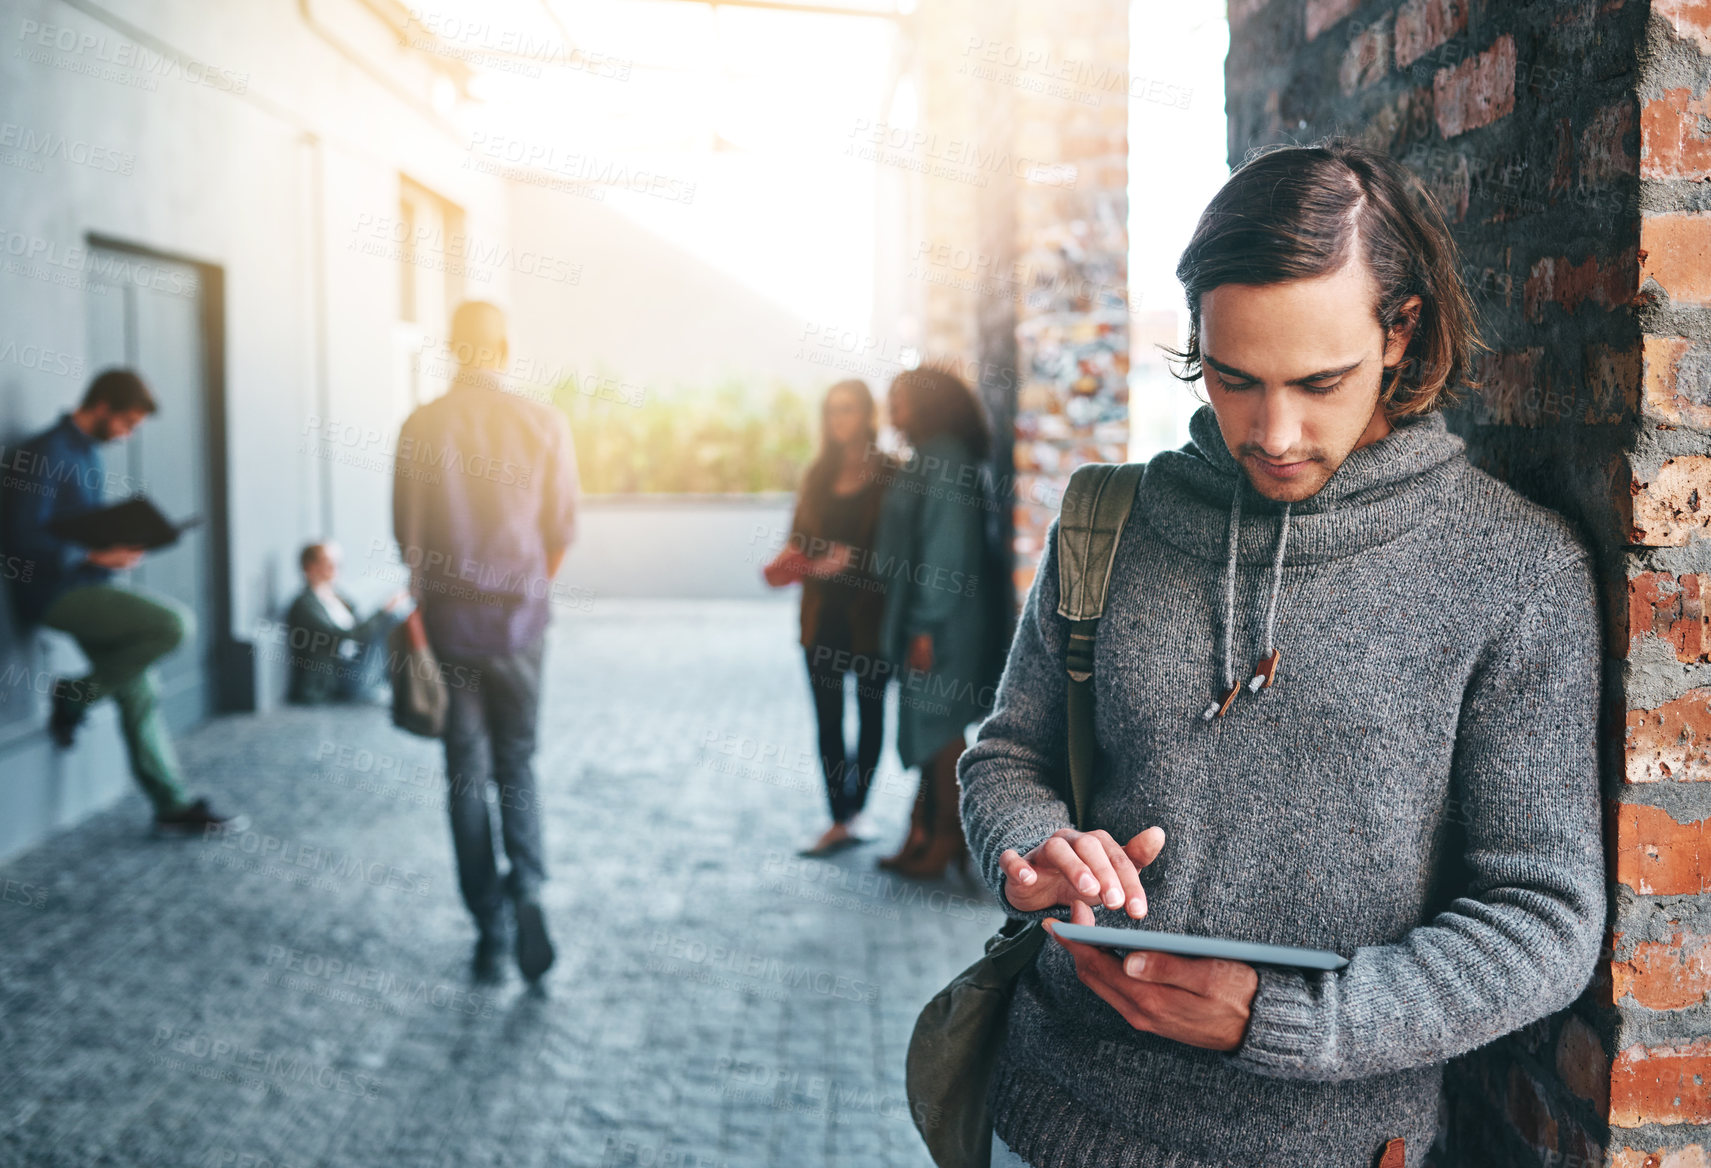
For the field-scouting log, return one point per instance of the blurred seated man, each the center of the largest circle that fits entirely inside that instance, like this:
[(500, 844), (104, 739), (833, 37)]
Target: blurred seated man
[(334, 656), (122, 630)]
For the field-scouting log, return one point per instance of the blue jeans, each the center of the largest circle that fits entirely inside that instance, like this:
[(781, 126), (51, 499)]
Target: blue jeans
[(357, 679), (490, 738), (1003, 1157)]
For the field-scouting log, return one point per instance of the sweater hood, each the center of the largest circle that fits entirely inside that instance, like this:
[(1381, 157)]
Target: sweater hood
[(1197, 498)]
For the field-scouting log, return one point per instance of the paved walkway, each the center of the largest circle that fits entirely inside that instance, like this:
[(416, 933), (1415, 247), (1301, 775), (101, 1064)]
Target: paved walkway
[(296, 996)]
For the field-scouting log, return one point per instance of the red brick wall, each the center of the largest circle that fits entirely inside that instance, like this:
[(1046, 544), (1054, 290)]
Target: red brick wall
[(1570, 145)]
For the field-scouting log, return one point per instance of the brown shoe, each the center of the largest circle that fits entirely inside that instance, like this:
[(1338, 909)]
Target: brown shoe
[(919, 837), (931, 862), (834, 840), (945, 842), (918, 841)]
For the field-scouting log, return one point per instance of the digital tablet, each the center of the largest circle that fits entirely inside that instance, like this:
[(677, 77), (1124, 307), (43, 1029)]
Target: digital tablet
[(1190, 946)]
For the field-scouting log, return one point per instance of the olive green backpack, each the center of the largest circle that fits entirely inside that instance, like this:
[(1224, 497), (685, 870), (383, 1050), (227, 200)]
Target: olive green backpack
[(958, 1035)]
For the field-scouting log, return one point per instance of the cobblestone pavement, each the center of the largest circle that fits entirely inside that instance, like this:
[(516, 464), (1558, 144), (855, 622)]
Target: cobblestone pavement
[(297, 995)]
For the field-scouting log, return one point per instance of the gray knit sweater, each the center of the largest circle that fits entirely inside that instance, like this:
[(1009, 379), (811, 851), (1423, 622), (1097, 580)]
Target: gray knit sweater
[(1417, 790)]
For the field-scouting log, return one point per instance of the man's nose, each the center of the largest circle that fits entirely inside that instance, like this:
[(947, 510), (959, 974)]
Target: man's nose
[(1277, 426)]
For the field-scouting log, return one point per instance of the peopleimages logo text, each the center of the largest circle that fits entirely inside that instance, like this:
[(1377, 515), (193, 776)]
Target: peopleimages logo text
[(46, 144), (125, 54)]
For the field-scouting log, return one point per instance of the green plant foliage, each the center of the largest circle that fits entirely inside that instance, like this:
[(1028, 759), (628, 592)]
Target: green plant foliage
[(732, 438)]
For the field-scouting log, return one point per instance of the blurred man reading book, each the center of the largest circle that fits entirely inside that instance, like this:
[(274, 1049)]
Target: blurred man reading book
[(122, 630)]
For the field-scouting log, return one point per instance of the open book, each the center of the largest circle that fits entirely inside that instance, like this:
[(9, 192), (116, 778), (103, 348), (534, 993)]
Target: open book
[(136, 522)]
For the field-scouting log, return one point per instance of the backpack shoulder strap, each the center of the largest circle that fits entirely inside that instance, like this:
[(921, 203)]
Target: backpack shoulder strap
[(1096, 507)]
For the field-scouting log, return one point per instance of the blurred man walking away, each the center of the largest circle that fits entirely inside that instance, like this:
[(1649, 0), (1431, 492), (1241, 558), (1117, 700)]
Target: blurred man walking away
[(483, 507), (121, 630)]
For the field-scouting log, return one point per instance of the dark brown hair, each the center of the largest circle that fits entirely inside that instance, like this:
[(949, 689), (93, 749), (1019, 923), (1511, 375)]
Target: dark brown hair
[(1294, 212), (940, 402), (823, 471), (121, 391)]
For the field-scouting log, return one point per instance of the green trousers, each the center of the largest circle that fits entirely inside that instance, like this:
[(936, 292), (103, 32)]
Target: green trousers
[(123, 631)]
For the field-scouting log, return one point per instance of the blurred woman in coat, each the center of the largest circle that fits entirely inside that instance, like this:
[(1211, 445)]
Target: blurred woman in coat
[(939, 632)]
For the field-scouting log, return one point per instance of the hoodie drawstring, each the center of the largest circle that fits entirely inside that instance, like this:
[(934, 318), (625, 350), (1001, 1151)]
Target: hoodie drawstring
[(1266, 668)]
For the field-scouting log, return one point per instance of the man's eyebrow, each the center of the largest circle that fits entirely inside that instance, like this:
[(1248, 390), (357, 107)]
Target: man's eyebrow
[(1232, 371)]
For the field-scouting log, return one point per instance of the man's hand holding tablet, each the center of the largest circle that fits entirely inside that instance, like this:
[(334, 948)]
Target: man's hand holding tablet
[(1201, 1001)]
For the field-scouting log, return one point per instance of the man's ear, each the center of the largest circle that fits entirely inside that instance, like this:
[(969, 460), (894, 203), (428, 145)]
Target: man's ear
[(1402, 332)]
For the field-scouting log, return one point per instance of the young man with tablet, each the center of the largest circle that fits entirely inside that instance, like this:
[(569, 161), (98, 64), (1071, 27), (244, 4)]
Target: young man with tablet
[(1346, 699)]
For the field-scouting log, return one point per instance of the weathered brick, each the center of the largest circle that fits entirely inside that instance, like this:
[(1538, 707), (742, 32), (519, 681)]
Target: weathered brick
[(1452, 187), (1688, 20), (1604, 153), (1322, 14), (1529, 1110), (1605, 282), (1599, 988), (1676, 381), (1657, 856), (1562, 157), (1673, 741), (1675, 250), (1613, 381), (1673, 504), (1476, 92), (1669, 975), (1510, 394), (1670, 608), (1675, 136), (1423, 25), (1582, 1064), (1580, 1149), (1367, 59), (1661, 1084), (1400, 123), (1690, 1156), (1537, 1036)]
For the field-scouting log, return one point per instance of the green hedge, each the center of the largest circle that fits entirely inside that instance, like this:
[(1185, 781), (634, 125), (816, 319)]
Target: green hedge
[(731, 438)]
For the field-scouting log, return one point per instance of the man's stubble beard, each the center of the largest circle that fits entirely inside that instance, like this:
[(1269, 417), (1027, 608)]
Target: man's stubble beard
[(1260, 484)]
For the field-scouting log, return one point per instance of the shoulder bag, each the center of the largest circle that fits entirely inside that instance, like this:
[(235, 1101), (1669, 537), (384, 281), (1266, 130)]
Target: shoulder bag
[(958, 1035)]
